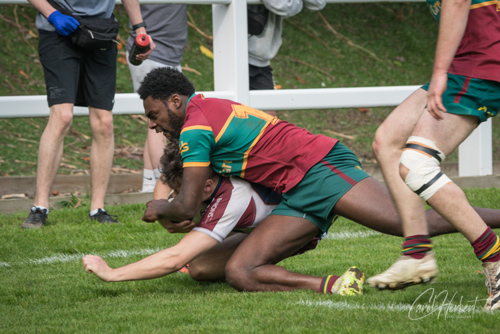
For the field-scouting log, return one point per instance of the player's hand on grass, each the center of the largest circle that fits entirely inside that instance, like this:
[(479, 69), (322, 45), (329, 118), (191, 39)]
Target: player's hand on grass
[(435, 93), (94, 264), (153, 210), (174, 227)]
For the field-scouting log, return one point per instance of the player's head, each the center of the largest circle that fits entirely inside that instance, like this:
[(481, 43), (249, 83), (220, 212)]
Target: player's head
[(171, 164), (165, 92), (172, 170), (161, 83)]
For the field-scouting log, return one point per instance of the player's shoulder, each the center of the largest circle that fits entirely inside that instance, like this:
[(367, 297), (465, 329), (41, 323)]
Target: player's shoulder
[(239, 183), (236, 188)]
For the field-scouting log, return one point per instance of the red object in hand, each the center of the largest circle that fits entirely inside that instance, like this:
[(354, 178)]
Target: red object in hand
[(141, 45)]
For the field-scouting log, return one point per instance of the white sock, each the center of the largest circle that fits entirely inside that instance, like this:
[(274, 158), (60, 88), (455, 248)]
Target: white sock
[(148, 181), (41, 208), (157, 174), (93, 212)]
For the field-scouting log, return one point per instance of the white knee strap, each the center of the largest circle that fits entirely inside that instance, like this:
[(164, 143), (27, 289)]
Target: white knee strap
[(422, 157)]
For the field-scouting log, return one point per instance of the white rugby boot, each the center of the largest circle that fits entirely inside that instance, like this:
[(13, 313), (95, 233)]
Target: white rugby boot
[(406, 271), (492, 273)]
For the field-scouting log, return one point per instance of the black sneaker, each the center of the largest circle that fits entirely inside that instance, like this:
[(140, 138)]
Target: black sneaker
[(104, 217), (36, 218)]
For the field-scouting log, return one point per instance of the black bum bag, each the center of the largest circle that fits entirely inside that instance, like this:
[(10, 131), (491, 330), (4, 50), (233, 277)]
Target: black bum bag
[(93, 32)]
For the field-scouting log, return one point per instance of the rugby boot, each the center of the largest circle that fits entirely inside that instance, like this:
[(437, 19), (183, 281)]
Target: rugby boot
[(350, 283), (492, 273), (406, 271)]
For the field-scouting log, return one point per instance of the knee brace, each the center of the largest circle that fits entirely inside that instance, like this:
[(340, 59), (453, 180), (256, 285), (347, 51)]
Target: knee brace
[(422, 157)]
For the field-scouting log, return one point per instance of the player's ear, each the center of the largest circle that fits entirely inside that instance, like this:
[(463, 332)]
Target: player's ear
[(208, 186), (176, 100)]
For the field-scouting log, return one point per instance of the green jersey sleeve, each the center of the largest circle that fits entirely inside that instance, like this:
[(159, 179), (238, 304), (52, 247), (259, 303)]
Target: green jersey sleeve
[(196, 143)]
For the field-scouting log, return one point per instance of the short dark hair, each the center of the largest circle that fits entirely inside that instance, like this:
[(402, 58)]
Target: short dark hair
[(171, 164), (162, 82)]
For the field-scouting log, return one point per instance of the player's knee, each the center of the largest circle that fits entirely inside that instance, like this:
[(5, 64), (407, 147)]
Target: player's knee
[(385, 144), (378, 142), (420, 167), (376, 147), (238, 277), (234, 275), (199, 272)]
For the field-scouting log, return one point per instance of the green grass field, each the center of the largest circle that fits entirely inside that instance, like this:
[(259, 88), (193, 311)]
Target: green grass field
[(44, 288)]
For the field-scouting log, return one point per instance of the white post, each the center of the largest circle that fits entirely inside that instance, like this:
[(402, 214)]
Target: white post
[(231, 49), (475, 153)]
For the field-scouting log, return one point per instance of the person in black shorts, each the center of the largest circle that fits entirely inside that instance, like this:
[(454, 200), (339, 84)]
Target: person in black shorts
[(75, 76)]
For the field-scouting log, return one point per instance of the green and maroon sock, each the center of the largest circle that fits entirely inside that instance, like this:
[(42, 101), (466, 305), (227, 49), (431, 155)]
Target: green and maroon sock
[(487, 246), (327, 283), (417, 246)]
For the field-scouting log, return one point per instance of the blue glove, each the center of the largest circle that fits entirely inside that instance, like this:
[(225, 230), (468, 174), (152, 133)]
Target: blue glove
[(64, 24)]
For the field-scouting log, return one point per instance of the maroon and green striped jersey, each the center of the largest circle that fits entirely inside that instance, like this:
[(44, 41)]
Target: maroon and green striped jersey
[(478, 55), (237, 140)]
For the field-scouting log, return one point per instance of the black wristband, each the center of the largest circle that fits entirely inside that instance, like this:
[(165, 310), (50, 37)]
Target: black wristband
[(139, 25)]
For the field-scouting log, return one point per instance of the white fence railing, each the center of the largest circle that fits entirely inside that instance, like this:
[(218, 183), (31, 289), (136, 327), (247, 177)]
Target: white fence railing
[(231, 82)]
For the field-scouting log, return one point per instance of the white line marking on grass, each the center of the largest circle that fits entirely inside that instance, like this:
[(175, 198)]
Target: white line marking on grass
[(61, 258), (54, 259), (351, 235), (125, 253), (397, 307)]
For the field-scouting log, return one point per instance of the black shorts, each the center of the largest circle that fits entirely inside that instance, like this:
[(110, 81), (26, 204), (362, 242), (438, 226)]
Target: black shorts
[(261, 78), (86, 78)]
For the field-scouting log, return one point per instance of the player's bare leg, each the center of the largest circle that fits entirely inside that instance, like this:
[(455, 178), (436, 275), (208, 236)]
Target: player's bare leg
[(450, 201), (438, 138), (437, 225), (253, 265), (452, 204), (369, 204), (388, 148), (378, 212)]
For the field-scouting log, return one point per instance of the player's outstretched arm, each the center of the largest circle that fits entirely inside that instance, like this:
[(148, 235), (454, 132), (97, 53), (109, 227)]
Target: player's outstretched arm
[(157, 265)]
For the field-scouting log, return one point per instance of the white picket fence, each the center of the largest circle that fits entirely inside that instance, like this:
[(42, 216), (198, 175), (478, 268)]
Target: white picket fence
[(231, 82)]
